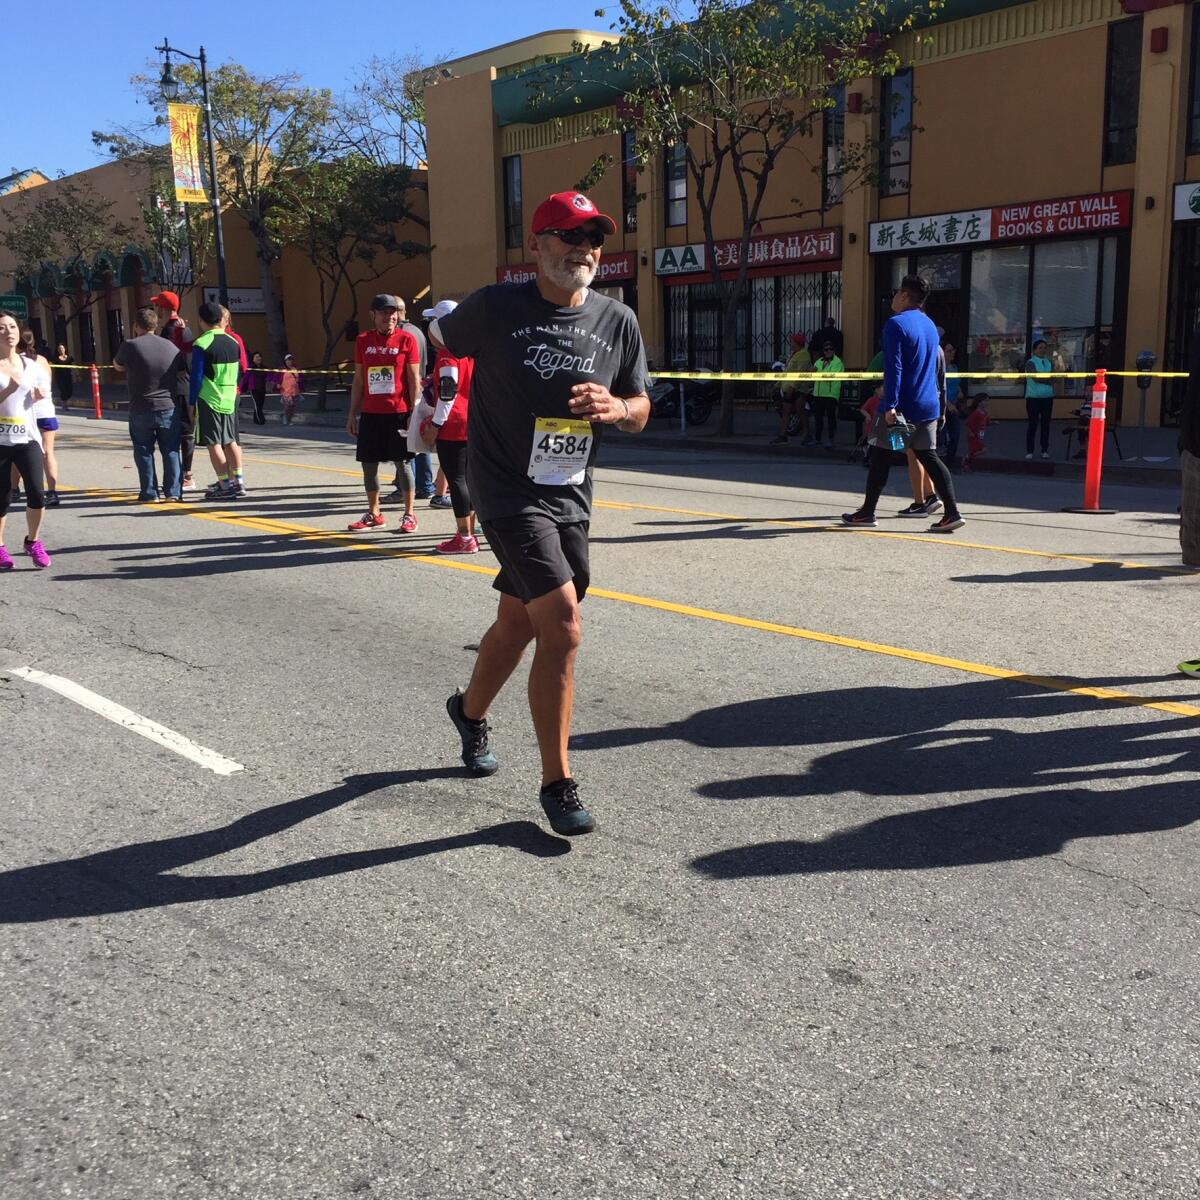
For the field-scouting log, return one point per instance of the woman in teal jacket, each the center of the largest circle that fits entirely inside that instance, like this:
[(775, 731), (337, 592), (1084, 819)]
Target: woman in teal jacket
[(1039, 399)]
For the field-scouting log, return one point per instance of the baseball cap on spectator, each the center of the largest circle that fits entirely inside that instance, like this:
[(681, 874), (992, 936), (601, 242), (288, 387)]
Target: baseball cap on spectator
[(568, 210), (165, 300), (798, 339), (443, 308), (385, 300)]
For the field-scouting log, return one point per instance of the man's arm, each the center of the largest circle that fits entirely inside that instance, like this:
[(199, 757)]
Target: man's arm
[(356, 400), (413, 371), (197, 375), (892, 367)]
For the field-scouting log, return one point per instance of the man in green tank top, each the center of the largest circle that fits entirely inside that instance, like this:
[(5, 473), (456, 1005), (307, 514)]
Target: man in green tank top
[(215, 375)]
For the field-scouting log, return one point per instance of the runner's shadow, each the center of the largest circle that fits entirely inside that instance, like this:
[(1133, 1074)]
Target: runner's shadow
[(990, 830), (143, 875)]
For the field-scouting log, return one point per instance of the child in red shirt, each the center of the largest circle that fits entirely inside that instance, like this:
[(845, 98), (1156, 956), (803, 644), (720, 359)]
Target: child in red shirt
[(977, 423)]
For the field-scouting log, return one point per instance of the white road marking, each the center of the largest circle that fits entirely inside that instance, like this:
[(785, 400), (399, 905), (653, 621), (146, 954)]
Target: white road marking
[(210, 760)]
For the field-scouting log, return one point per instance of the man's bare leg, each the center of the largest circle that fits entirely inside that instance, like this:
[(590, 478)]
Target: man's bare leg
[(556, 627), (500, 652)]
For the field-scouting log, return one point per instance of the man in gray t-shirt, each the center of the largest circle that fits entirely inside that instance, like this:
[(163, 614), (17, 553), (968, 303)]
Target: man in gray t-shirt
[(554, 362), (151, 366)]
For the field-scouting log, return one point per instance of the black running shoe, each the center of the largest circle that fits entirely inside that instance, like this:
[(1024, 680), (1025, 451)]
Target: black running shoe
[(564, 808), (859, 520), (915, 509), (476, 754)]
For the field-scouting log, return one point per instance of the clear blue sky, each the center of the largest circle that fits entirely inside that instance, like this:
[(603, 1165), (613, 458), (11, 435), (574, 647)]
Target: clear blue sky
[(96, 48)]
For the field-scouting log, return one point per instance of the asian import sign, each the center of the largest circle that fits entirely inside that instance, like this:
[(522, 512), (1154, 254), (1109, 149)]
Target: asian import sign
[(766, 250), (1096, 213)]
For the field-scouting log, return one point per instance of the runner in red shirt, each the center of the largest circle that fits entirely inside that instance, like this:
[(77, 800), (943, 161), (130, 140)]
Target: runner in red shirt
[(448, 428), (387, 382)]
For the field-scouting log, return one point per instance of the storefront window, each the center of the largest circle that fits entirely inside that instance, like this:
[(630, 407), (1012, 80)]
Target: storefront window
[(1108, 282), (1193, 117), (997, 327), (629, 180), (772, 309), (676, 181), (1066, 276), (942, 272), (834, 162), (895, 119), (512, 202), (1122, 91)]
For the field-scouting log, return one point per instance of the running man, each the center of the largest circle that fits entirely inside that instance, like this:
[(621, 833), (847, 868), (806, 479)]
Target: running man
[(554, 363), (387, 384), (914, 388), (215, 376)]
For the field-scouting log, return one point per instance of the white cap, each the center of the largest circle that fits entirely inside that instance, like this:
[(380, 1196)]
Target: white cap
[(443, 308)]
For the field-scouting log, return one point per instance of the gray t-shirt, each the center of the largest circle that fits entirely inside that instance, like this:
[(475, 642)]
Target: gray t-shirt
[(422, 344), (528, 355), (151, 365)]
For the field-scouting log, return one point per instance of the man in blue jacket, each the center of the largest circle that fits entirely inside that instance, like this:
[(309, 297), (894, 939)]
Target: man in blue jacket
[(914, 386)]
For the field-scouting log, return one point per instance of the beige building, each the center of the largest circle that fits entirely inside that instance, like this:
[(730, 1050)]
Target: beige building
[(90, 309), (1040, 165)]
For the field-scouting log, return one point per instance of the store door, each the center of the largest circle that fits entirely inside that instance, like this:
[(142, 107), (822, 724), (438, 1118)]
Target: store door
[(947, 303)]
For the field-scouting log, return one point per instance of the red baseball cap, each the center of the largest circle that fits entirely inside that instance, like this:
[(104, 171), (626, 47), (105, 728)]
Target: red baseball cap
[(166, 300), (568, 210)]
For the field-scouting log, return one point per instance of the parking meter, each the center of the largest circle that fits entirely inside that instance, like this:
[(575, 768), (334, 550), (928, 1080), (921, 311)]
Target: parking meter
[(1145, 362)]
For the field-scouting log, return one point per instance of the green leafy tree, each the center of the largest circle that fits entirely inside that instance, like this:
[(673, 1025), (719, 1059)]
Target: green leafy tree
[(265, 127), (69, 225), (343, 216), (741, 86)]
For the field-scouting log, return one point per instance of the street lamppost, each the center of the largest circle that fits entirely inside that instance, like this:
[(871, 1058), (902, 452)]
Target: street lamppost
[(170, 90)]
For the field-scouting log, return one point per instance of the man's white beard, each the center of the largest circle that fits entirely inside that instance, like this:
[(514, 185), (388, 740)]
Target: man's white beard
[(568, 276)]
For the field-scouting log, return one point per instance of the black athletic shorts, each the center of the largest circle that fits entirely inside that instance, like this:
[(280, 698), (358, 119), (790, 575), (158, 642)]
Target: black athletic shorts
[(536, 555), (215, 428), (382, 437)]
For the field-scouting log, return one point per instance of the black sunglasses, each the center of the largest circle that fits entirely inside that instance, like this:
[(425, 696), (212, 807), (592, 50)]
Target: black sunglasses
[(576, 237)]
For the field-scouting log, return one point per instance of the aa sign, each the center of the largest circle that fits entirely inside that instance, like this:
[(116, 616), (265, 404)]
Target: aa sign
[(184, 121)]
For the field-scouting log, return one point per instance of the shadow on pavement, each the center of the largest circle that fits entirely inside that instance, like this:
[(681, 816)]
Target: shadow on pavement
[(1080, 781), (1088, 573), (141, 876)]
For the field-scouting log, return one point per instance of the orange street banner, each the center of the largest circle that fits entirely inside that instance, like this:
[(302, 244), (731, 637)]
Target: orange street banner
[(184, 120)]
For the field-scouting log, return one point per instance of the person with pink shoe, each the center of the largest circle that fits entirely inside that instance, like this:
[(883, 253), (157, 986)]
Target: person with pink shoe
[(22, 385), (448, 430)]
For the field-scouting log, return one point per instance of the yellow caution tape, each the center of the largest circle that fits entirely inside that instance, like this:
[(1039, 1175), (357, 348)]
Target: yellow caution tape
[(867, 376)]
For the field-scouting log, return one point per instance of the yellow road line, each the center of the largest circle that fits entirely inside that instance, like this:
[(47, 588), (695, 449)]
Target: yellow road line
[(312, 533), (826, 526)]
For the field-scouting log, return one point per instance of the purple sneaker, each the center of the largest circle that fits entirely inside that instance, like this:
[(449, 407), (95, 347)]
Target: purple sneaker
[(37, 552), (6, 560)]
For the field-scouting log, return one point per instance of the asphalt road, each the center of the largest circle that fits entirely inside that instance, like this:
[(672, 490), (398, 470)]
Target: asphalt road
[(894, 891)]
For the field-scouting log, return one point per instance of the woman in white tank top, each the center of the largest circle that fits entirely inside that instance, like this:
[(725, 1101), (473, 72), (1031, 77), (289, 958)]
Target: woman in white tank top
[(22, 388)]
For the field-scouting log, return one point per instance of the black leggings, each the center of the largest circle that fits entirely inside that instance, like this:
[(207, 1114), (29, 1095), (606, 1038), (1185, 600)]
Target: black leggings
[(452, 458), (881, 465), (27, 458), (1039, 410), (824, 409)]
